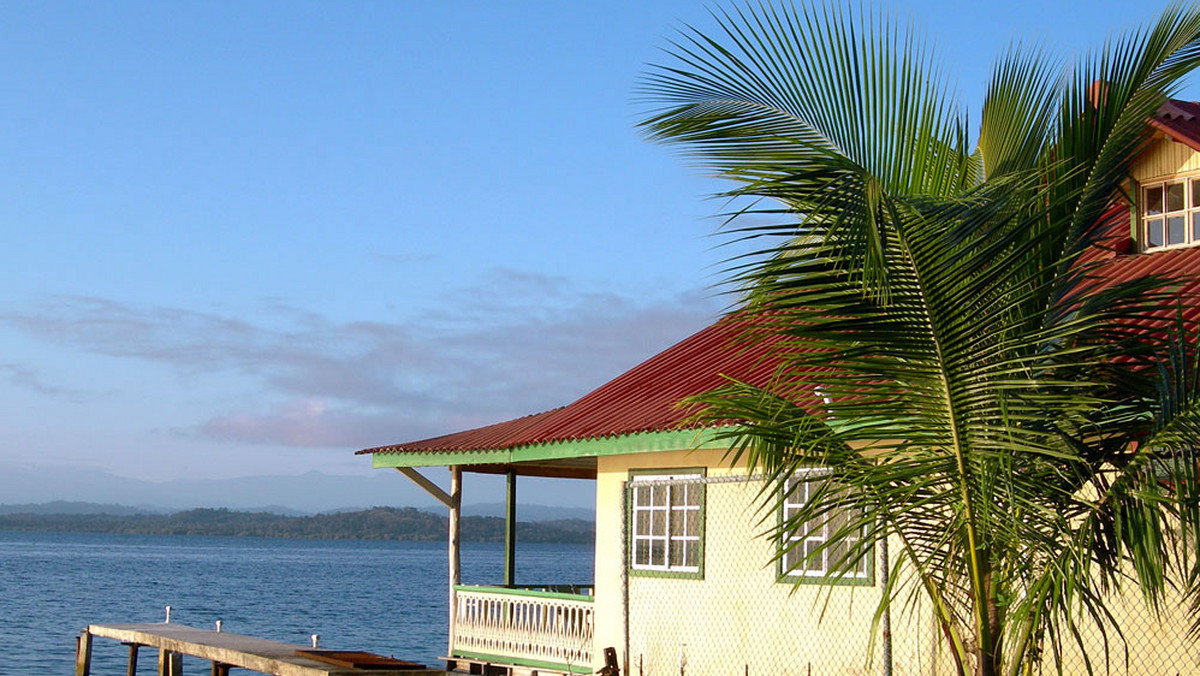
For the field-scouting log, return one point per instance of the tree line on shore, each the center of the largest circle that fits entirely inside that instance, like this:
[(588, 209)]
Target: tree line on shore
[(378, 523)]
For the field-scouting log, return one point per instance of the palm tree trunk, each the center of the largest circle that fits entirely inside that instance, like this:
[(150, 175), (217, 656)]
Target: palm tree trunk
[(990, 655)]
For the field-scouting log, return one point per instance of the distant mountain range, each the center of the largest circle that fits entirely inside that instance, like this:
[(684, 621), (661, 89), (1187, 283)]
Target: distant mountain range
[(379, 523), (74, 491), (495, 510), (63, 507)]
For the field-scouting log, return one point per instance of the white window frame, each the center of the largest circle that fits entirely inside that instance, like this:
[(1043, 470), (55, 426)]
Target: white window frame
[(794, 542), (654, 522), (1155, 215)]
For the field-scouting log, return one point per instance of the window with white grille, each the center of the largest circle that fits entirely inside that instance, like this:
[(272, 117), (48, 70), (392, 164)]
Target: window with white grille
[(1170, 213), (803, 544), (667, 531)]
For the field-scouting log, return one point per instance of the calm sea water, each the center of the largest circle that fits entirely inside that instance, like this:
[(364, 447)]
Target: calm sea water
[(383, 597)]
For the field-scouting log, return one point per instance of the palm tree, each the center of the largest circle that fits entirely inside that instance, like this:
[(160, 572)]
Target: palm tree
[(948, 349)]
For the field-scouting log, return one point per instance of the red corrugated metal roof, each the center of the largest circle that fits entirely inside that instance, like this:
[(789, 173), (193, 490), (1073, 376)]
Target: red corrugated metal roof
[(1179, 267), (643, 399), (1181, 121)]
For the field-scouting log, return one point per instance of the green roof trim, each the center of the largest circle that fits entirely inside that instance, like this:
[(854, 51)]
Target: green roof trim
[(638, 442)]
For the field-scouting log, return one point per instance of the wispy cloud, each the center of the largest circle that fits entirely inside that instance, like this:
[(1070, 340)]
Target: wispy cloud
[(516, 344), (29, 379), (309, 423)]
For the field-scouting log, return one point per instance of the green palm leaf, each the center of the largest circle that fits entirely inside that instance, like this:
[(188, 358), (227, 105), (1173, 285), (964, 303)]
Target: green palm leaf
[(945, 349)]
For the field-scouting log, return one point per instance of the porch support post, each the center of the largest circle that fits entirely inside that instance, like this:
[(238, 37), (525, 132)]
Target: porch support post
[(455, 560), (510, 529)]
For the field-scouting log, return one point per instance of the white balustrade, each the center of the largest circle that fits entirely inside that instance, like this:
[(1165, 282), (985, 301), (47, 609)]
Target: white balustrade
[(527, 626)]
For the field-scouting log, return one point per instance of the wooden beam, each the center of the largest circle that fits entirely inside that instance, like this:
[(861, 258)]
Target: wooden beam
[(455, 559), (584, 468), (430, 487), (83, 654), (510, 528)]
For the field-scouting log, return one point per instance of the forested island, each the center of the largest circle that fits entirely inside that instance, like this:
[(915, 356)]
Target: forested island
[(379, 523)]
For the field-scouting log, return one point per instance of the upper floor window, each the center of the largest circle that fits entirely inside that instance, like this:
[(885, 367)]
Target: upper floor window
[(1170, 213)]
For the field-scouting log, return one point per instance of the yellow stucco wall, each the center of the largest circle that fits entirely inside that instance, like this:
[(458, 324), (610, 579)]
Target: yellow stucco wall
[(739, 618)]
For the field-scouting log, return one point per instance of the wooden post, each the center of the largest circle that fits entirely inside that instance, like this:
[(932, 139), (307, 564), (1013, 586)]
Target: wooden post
[(455, 559), (83, 653), (131, 670), (219, 669), (510, 529), (170, 663)]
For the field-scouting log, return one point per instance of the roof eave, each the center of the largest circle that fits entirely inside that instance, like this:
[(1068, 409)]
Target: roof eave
[(1176, 134), (638, 442)]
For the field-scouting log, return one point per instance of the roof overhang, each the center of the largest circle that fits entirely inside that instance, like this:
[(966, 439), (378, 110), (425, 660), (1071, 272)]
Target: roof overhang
[(575, 458)]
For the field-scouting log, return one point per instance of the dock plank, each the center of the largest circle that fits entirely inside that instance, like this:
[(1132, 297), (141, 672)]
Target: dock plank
[(246, 652)]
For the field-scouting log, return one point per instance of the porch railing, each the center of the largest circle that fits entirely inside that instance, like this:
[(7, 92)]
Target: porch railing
[(522, 626)]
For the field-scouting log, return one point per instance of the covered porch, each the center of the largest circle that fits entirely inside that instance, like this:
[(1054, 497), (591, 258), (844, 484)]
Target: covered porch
[(547, 627)]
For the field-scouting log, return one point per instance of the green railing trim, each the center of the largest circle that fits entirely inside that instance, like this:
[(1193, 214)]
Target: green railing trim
[(552, 587), (520, 661), (506, 591)]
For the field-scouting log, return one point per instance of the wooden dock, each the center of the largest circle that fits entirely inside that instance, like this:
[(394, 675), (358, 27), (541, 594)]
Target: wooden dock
[(225, 650)]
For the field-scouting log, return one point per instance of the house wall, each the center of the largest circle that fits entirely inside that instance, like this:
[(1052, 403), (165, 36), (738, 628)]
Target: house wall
[(1166, 159), (1149, 642), (739, 618)]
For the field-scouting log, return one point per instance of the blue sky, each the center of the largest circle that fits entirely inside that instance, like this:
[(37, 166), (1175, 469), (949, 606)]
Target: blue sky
[(250, 238)]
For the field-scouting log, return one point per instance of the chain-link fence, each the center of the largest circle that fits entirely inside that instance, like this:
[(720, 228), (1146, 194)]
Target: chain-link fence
[(708, 593)]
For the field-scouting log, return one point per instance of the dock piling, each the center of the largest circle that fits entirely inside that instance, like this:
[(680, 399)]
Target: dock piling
[(83, 653), (131, 670), (170, 663)]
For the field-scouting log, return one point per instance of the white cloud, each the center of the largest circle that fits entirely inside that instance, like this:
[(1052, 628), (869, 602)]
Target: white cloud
[(517, 344)]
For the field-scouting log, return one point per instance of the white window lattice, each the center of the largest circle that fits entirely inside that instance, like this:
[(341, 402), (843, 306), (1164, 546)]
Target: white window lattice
[(1170, 213), (667, 522), (802, 543)]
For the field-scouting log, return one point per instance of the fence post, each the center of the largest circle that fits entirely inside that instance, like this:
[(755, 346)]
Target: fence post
[(884, 572), (625, 575)]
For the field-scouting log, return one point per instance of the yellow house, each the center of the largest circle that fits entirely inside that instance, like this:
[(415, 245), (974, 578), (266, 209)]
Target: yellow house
[(689, 578)]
